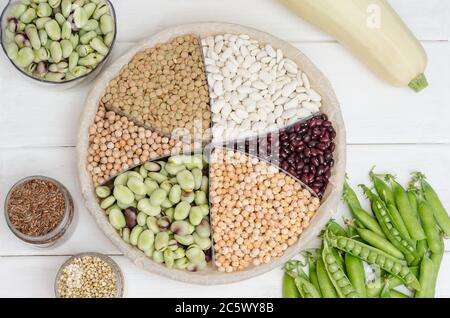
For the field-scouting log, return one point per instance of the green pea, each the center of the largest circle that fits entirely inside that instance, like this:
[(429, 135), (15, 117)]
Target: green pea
[(181, 228), (175, 194), (144, 205), (100, 10), (126, 235), (135, 233), (106, 203), (181, 263), (158, 257), (203, 229), (169, 212), (103, 191), (195, 254), (186, 180), (184, 240), (333, 268), (12, 50), (203, 242), (108, 39), (161, 241), (145, 240), (123, 194), (17, 10), (157, 197), (182, 210), (195, 215), (205, 184), (156, 176), (188, 197), (25, 57), (117, 219)]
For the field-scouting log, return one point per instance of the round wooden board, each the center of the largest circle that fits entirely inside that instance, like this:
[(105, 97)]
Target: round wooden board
[(210, 276)]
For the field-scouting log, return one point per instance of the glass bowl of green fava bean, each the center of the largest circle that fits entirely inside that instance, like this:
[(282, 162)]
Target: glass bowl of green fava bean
[(58, 43)]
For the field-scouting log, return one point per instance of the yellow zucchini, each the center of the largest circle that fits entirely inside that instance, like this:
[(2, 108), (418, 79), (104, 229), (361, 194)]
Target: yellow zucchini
[(374, 32)]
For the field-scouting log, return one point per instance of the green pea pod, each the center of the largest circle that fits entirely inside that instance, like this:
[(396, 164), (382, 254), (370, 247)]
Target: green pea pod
[(356, 274), (430, 227), (289, 288), (306, 288), (374, 288), (421, 250), (426, 276), (413, 202), (379, 242), (383, 190), (326, 286), (397, 220), (375, 256), (406, 211), (396, 294), (350, 197), (368, 221), (437, 260), (335, 228), (312, 261)]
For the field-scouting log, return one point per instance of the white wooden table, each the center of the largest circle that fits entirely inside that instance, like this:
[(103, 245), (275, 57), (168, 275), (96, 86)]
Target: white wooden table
[(396, 129)]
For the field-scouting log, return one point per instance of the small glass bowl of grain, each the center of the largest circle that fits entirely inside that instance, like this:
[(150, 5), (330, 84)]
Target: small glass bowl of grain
[(39, 211), (89, 275)]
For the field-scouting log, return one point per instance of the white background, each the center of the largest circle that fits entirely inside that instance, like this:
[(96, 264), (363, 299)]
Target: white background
[(394, 128)]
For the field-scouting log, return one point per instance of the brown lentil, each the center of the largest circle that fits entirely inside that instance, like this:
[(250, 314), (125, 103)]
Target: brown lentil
[(87, 277), (36, 207), (257, 211), (116, 144), (164, 88)]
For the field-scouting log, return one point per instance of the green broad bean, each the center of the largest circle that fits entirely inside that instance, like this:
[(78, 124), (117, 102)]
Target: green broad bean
[(87, 37), (144, 205), (149, 252), (185, 240), (40, 22), (406, 211), (195, 215), (196, 267), (17, 10), (54, 77), (89, 8), (78, 71), (188, 197), (181, 228), (152, 224), (175, 194), (66, 30), (108, 39), (195, 255), (67, 48), (356, 274), (289, 287), (107, 24), (161, 241), (166, 186), (182, 211), (66, 7), (164, 223), (123, 194), (157, 197), (203, 242), (25, 57), (117, 219), (135, 175), (112, 207), (136, 185), (151, 185), (158, 257), (203, 229), (205, 184), (44, 10), (340, 281), (54, 3), (173, 244), (186, 180), (28, 16), (372, 255), (43, 38), (169, 212), (157, 176), (100, 10), (91, 60), (181, 263), (56, 52), (107, 202), (152, 166), (198, 175), (60, 19), (126, 235), (169, 258), (103, 192), (53, 30), (179, 253), (200, 197), (80, 17), (379, 242), (142, 219), (75, 39), (205, 209), (433, 236), (135, 233), (91, 25), (166, 204), (22, 41), (143, 172), (145, 240), (174, 169), (33, 35), (12, 50), (73, 60)]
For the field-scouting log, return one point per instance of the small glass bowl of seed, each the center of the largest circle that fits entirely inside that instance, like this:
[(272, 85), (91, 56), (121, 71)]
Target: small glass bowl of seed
[(58, 43), (39, 211), (89, 275)]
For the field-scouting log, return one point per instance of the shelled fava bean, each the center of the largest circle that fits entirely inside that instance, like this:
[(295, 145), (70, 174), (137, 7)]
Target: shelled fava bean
[(162, 208), (257, 212), (254, 88), (165, 88), (116, 144), (59, 40)]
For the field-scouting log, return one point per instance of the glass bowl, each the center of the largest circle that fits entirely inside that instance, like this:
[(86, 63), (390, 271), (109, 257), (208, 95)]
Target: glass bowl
[(115, 268), (63, 84), (57, 233)]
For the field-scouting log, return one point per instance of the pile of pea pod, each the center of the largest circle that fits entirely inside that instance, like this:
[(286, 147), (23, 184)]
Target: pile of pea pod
[(402, 240), (162, 208)]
